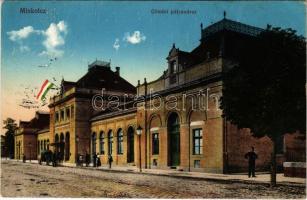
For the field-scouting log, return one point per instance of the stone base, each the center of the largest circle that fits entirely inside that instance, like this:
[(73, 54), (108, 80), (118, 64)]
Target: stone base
[(295, 169)]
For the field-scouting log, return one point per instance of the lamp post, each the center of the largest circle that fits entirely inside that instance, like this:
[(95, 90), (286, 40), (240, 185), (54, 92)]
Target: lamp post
[(139, 131), (76, 156)]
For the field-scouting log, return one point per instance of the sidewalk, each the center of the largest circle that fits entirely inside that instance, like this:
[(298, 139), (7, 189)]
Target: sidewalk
[(262, 178)]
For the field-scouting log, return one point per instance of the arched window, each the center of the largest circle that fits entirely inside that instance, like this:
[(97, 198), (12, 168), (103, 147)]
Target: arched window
[(62, 146), (101, 142), (120, 139), (48, 144), (42, 145), (56, 138), (110, 142), (130, 144), (93, 143)]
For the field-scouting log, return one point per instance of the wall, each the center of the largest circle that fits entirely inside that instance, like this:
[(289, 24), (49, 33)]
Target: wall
[(114, 124)]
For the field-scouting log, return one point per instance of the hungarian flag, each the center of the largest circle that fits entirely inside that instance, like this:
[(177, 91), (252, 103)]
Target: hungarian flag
[(44, 90)]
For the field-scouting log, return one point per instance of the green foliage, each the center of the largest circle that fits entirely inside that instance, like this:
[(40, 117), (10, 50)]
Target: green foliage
[(11, 126), (266, 90)]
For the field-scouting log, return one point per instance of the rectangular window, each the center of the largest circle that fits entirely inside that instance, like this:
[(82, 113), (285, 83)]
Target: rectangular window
[(172, 79), (120, 141), (155, 162), (101, 141), (197, 141), (62, 115), (173, 67), (155, 143), (196, 163), (67, 113), (57, 117)]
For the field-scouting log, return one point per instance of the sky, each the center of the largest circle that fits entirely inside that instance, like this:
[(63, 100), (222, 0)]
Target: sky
[(63, 41)]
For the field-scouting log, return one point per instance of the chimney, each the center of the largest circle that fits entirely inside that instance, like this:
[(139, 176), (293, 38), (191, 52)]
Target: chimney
[(117, 70)]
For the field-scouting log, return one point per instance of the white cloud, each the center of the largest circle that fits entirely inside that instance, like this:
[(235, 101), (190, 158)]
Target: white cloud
[(24, 48), (116, 44), (62, 26), (135, 38), (54, 38), (21, 33)]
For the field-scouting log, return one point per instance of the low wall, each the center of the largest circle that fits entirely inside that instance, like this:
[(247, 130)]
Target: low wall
[(295, 169)]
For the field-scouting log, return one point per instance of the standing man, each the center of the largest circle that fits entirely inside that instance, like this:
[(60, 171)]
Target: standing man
[(94, 160), (251, 156), (87, 159), (54, 159), (110, 160)]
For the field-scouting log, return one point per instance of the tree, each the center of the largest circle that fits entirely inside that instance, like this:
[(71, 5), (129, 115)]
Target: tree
[(265, 91), (11, 126)]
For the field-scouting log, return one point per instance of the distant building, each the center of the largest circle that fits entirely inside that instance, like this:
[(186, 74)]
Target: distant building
[(3, 147), (26, 136)]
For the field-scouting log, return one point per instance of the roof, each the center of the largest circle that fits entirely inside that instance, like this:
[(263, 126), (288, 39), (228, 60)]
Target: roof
[(99, 63), (41, 120), (67, 85), (212, 38), (23, 123), (230, 25), (100, 76), (43, 130), (126, 108), (109, 114)]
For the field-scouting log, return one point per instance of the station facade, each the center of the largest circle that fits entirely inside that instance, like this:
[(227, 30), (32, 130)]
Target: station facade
[(178, 114)]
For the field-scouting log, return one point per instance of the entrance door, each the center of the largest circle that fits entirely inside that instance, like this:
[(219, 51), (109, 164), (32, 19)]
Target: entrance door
[(62, 146), (174, 140), (130, 138)]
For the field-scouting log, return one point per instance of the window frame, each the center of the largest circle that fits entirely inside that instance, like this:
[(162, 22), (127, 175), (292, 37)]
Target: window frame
[(67, 113), (120, 142), (62, 117), (57, 116), (155, 143), (198, 138), (101, 143)]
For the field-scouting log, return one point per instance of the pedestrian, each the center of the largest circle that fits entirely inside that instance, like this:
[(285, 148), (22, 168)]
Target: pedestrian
[(94, 160), (98, 161), (87, 159), (54, 159), (251, 156), (110, 160), (48, 157), (23, 158), (78, 160)]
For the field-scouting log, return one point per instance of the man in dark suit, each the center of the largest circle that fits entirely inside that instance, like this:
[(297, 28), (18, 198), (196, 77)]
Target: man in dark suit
[(251, 156)]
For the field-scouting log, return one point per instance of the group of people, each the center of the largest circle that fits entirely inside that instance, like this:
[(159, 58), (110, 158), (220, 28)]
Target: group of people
[(49, 156), (95, 159)]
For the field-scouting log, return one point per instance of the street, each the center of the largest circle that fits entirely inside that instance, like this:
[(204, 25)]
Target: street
[(32, 180)]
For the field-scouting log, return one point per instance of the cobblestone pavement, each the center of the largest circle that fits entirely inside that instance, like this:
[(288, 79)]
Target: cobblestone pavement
[(33, 180)]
